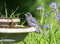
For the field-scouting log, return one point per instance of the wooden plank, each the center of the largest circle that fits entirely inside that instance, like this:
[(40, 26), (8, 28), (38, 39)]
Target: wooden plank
[(17, 30)]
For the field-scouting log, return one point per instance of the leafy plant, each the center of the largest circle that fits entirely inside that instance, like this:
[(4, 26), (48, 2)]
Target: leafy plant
[(12, 15)]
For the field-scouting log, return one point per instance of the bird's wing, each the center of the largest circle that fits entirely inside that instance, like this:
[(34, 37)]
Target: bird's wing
[(34, 21)]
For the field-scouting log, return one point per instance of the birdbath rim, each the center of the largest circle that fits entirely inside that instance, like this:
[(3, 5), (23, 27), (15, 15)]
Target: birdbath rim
[(9, 20)]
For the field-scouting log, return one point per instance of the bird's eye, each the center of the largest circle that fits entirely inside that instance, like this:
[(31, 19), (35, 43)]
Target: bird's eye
[(28, 14)]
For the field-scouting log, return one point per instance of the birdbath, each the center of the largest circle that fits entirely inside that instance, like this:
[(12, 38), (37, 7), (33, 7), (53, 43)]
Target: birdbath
[(10, 32)]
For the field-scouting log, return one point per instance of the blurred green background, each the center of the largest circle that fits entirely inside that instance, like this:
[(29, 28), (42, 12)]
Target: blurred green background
[(24, 6)]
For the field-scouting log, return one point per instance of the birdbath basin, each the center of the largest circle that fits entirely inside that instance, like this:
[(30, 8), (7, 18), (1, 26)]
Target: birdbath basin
[(10, 32)]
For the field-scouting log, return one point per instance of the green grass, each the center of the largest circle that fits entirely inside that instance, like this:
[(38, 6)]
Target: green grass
[(12, 15)]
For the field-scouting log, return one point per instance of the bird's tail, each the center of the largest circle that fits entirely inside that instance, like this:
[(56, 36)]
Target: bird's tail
[(39, 30)]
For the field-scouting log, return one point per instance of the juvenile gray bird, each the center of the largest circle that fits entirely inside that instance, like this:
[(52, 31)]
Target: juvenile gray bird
[(33, 23)]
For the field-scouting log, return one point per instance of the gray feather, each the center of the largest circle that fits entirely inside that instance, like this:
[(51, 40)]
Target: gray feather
[(32, 22)]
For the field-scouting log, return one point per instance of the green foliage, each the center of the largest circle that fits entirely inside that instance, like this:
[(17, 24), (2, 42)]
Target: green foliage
[(12, 15)]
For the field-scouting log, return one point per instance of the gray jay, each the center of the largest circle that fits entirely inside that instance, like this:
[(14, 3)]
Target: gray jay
[(32, 22)]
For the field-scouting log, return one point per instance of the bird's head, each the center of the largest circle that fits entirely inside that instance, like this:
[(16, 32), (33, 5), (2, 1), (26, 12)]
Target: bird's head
[(28, 14)]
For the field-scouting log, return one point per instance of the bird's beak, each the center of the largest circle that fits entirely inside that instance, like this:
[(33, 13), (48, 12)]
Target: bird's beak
[(25, 15)]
